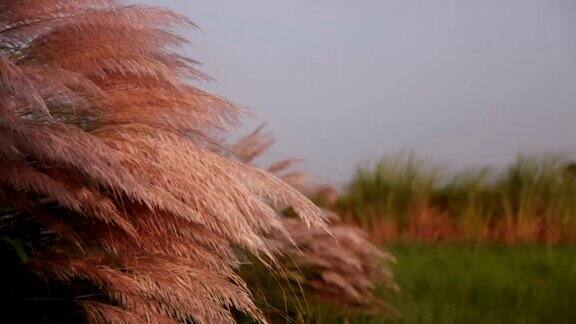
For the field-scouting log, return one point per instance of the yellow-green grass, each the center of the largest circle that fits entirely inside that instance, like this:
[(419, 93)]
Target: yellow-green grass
[(483, 284)]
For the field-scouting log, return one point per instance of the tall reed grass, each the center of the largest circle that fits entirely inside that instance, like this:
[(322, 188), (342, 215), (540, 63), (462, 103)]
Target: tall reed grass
[(403, 198)]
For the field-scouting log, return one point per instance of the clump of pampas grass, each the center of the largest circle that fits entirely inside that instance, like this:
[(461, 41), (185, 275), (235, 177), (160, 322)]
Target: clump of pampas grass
[(335, 271), (108, 160)]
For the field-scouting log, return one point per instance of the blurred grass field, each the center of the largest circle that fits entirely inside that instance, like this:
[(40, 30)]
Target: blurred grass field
[(484, 284)]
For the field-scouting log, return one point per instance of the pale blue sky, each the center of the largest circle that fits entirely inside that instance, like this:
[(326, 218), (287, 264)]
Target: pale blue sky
[(459, 82)]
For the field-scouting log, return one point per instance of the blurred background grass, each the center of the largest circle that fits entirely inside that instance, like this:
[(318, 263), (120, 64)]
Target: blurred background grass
[(402, 198)]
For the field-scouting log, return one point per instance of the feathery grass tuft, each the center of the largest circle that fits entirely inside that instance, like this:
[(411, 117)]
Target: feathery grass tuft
[(108, 147)]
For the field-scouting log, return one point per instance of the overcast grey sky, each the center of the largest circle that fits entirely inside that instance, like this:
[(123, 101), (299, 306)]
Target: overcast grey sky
[(459, 82)]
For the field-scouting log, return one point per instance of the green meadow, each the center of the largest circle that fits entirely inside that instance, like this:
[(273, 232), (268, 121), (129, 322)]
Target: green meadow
[(483, 284)]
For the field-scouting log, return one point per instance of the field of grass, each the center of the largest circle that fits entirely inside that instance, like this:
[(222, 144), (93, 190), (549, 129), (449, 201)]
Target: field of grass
[(482, 284)]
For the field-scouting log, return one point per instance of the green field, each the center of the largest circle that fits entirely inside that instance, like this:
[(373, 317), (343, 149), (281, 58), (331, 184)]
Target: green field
[(468, 284)]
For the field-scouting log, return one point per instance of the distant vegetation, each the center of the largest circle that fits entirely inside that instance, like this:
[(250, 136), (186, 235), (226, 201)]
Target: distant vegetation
[(402, 198)]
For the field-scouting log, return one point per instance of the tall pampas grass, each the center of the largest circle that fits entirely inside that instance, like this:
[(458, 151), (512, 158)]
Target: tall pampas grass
[(108, 148)]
